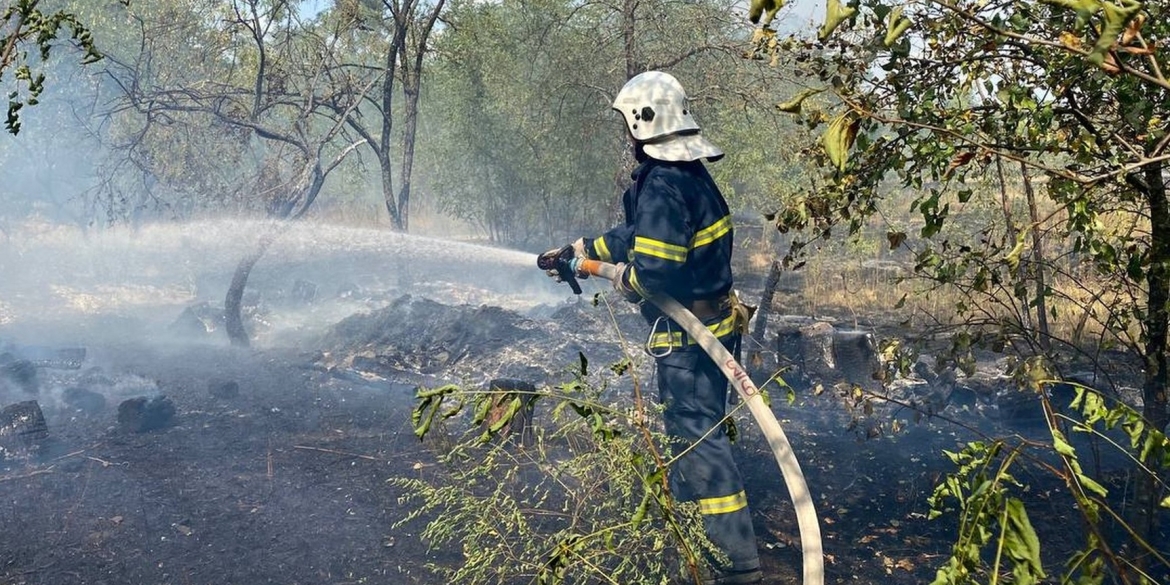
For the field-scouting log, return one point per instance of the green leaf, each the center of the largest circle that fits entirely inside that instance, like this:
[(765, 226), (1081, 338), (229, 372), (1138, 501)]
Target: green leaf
[(765, 8), (429, 406), (793, 105), (640, 511), (1061, 444), (1091, 485), (1022, 544), (835, 14), (1012, 258), (1083, 8), (483, 406), (839, 137), (1116, 18), (896, 25)]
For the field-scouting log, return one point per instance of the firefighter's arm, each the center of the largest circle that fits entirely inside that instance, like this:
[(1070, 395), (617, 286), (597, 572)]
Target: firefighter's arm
[(613, 246), (661, 234)]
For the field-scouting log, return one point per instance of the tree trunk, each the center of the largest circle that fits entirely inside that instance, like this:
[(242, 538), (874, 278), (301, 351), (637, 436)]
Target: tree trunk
[(1044, 336), (754, 359), (408, 138), (232, 303), (233, 317), (383, 150), (1012, 233), (770, 285), (1157, 322), (388, 189), (411, 82), (629, 38)]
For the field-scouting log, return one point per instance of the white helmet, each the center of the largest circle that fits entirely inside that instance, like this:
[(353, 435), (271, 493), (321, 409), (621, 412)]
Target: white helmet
[(654, 107)]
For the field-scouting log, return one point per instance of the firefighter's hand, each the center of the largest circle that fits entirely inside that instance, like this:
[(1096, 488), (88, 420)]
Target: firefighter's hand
[(578, 251), (552, 255), (619, 284)]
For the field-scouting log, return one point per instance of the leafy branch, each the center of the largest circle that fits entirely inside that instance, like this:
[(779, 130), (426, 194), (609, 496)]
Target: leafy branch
[(24, 23), (585, 500)]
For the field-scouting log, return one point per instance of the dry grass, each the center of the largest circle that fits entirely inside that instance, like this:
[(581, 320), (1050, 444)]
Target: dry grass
[(865, 294)]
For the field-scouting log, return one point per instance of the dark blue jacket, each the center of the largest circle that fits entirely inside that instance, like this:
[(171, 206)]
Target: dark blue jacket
[(677, 235)]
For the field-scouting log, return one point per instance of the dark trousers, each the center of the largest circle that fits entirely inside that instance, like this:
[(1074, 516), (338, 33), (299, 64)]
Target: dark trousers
[(694, 392)]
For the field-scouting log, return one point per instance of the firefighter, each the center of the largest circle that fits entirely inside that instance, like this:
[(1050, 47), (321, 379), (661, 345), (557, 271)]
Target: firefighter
[(677, 241)]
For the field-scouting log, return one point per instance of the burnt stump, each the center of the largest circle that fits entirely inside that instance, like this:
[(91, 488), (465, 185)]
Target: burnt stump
[(141, 414)]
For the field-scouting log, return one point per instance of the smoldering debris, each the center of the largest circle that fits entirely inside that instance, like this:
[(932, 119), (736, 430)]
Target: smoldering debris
[(198, 320), (224, 389), (22, 430), (83, 401), (418, 336), (19, 373), (20, 365), (142, 414), (204, 320), (65, 388), (415, 338)]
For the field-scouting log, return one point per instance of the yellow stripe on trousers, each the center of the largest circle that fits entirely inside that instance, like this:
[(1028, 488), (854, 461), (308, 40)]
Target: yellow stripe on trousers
[(723, 505)]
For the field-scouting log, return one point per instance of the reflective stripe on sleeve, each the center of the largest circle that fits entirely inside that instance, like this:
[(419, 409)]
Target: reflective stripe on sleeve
[(602, 250), (633, 278), (659, 249), (712, 232)]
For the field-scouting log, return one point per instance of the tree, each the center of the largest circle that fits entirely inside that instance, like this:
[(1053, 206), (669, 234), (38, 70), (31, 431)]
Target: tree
[(23, 23), (936, 96), (409, 25), (528, 147), (271, 82), (516, 141)]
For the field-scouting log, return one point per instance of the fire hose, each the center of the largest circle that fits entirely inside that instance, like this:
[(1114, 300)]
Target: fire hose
[(806, 517)]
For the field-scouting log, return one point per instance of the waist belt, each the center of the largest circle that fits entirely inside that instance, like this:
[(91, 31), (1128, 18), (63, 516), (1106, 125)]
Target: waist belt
[(706, 309)]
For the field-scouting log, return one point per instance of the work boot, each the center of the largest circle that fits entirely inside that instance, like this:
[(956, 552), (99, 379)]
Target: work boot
[(749, 577)]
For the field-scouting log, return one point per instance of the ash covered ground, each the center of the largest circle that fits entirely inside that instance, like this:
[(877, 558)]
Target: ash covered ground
[(167, 456)]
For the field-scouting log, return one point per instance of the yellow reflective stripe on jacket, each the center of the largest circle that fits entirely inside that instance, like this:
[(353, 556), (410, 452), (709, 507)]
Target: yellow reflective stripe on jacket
[(602, 250), (712, 232), (659, 249), (723, 505), (663, 339)]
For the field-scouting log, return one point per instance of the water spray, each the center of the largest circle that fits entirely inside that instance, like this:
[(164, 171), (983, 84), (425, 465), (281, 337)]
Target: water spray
[(568, 267)]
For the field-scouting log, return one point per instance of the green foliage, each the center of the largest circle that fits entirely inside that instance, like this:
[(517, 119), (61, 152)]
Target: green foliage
[(586, 500), (966, 105), (519, 147), (525, 144), (1147, 444), (1047, 106), (23, 23), (835, 14), (988, 515), (995, 534)]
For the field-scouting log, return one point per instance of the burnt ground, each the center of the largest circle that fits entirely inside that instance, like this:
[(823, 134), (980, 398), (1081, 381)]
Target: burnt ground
[(286, 482)]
